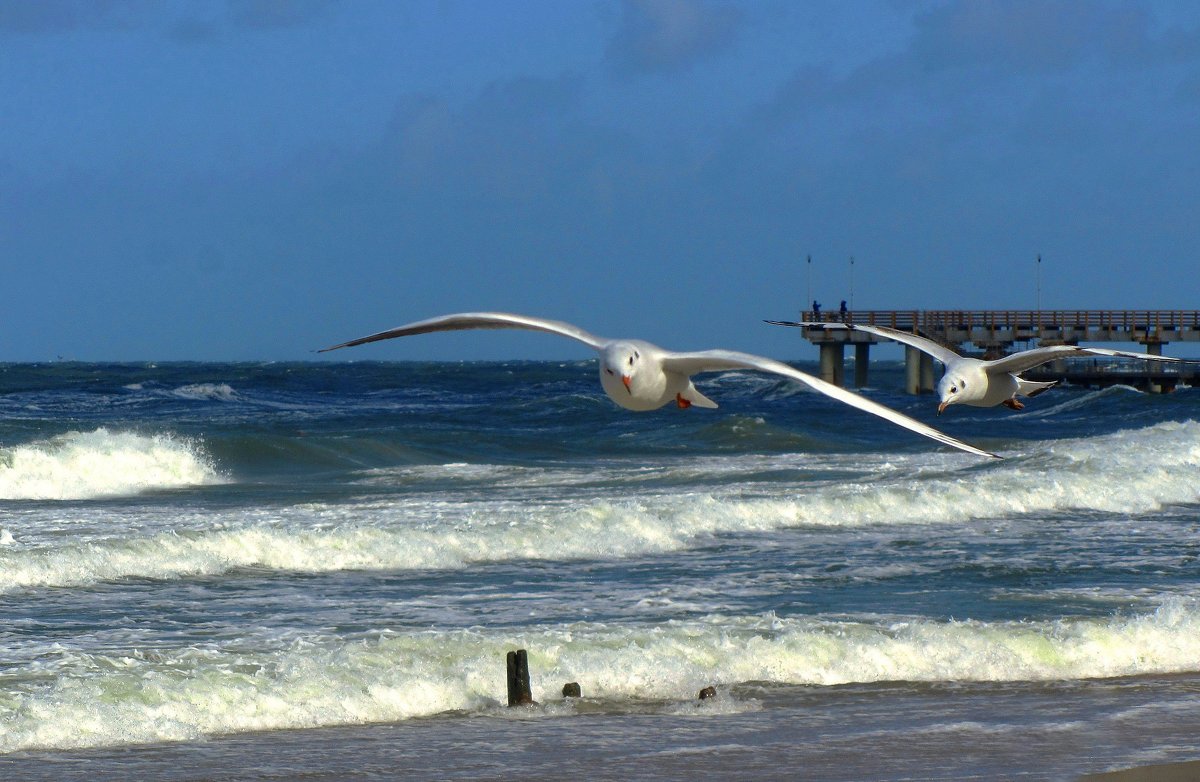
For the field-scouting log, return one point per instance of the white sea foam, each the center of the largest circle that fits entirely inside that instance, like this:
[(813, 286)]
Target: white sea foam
[(221, 392), (101, 463), (1126, 473), (189, 693)]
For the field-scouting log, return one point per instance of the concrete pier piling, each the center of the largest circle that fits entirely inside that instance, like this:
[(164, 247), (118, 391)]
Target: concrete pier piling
[(833, 363), (862, 360)]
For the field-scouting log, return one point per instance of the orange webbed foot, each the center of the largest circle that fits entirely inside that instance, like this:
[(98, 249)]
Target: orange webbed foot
[(1013, 404), (684, 404)]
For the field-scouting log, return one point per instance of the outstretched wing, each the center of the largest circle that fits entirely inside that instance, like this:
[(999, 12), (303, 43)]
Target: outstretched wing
[(480, 320), (723, 360), (938, 351), (1028, 359)]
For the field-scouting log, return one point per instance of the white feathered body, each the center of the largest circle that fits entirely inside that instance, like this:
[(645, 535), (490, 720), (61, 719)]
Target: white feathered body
[(650, 385)]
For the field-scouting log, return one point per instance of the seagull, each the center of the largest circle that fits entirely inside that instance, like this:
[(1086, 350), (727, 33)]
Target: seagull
[(972, 381), (639, 376)]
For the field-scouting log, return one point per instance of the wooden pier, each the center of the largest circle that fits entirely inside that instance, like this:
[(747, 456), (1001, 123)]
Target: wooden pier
[(995, 333)]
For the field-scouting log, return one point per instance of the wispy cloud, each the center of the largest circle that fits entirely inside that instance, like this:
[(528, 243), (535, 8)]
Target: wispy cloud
[(188, 22), (670, 35), (39, 17), (1032, 35), (275, 14), (504, 142)]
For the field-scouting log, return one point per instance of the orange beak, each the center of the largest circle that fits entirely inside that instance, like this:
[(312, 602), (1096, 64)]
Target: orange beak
[(626, 380), (942, 407)]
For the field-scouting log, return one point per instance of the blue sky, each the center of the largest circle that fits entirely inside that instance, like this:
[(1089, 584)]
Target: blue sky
[(254, 179)]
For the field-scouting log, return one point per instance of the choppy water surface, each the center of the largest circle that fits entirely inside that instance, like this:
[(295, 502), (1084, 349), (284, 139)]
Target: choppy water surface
[(253, 571)]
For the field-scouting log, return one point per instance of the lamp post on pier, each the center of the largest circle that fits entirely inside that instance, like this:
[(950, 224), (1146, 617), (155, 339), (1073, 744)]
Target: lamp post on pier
[(1038, 276), (851, 283), (808, 299)]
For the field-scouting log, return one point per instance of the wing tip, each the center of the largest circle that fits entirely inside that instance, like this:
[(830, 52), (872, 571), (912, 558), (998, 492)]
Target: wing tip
[(966, 447), (976, 451), (808, 324)]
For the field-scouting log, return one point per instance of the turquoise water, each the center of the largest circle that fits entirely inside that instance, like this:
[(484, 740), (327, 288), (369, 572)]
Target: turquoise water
[(255, 571)]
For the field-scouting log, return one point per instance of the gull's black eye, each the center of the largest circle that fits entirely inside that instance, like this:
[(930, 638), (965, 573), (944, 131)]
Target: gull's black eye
[(953, 390)]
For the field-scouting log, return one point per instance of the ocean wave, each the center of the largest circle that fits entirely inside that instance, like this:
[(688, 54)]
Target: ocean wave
[(219, 392), (138, 696), (517, 516), (100, 463)]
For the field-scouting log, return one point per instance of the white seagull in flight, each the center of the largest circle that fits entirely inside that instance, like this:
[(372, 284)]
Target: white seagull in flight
[(640, 376), (973, 381)]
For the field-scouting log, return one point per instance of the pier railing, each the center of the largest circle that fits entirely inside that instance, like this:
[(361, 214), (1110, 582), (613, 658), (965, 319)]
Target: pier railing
[(1019, 325)]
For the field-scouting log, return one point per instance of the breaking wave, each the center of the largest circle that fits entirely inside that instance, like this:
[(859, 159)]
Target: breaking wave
[(287, 683), (501, 522), (101, 463)]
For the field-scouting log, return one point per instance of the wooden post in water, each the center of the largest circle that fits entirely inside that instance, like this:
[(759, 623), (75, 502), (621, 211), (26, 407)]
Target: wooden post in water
[(518, 679)]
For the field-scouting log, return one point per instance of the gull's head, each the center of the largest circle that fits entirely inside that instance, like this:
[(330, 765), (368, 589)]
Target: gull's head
[(631, 374), (620, 363), (951, 389)]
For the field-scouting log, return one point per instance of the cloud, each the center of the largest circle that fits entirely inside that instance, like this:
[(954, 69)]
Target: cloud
[(36, 17), (670, 35), (251, 15), (528, 97), (1042, 35), (276, 14), (185, 22), (993, 60), (192, 30), (501, 145)]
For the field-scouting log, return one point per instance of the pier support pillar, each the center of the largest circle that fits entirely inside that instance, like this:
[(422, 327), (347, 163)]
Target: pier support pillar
[(918, 371), (862, 358), (833, 362), (1153, 349), (912, 370)]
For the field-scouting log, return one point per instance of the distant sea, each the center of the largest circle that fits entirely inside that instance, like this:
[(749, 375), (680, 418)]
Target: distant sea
[(314, 571)]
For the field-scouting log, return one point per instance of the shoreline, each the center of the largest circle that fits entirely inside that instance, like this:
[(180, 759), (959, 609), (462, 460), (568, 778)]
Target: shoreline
[(1186, 771)]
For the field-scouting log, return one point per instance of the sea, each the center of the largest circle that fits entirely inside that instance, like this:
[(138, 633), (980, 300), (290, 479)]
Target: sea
[(316, 571)]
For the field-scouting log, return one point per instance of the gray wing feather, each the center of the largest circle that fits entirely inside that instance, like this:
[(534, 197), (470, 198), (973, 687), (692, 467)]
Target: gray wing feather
[(1028, 359), (480, 320), (722, 360), (938, 351)]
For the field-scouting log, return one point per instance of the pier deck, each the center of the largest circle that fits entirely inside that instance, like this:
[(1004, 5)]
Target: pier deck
[(994, 333)]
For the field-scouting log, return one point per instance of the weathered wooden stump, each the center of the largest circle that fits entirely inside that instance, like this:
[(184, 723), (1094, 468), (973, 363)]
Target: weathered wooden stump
[(518, 680)]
